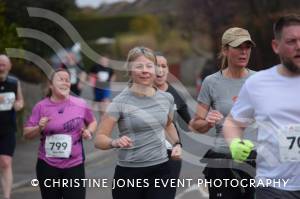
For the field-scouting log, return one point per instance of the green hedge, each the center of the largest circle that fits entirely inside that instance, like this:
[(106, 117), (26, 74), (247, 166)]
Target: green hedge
[(95, 27)]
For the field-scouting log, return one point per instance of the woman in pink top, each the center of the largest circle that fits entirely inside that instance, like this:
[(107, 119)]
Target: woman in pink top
[(61, 121)]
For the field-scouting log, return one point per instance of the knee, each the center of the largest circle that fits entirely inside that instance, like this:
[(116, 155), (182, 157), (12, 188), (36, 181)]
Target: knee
[(5, 162)]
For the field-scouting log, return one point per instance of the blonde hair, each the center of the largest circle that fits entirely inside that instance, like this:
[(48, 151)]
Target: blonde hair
[(136, 52), (223, 58)]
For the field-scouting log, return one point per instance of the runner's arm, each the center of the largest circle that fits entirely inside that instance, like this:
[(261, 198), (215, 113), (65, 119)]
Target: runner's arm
[(198, 124), (19, 103), (103, 138), (232, 129), (171, 132), (32, 132)]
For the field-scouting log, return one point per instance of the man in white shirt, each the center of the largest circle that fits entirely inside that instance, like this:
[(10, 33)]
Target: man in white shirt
[(271, 99)]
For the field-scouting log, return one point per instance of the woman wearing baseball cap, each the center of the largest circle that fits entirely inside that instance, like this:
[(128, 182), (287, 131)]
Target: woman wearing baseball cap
[(218, 94)]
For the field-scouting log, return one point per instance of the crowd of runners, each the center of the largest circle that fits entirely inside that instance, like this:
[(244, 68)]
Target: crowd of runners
[(238, 102)]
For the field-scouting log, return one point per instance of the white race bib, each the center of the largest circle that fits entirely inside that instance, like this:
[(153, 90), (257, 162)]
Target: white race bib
[(290, 144), (73, 75), (103, 76), (8, 100), (58, 146)]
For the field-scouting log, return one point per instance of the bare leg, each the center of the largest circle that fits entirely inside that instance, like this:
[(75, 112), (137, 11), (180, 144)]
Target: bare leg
[(6, 174)]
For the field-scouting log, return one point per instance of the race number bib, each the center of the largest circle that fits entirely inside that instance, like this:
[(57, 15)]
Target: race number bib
[(58, 146), (7, 101), (73, 75), (103, 76), (290, 144)]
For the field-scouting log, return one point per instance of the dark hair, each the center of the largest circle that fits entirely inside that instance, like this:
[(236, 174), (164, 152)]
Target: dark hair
[(160, 54), (49, 92), (284, 21)]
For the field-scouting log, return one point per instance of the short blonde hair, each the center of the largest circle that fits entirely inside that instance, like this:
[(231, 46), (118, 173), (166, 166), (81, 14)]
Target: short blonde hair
[(136, 52)]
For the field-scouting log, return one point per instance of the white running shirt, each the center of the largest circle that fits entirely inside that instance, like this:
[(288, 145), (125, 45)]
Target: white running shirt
[(273, 101)]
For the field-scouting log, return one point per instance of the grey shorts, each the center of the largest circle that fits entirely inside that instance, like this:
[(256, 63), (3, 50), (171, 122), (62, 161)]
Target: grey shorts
[(272, 193)]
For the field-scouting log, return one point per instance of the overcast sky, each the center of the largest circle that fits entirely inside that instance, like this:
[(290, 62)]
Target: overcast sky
[(96, 3)]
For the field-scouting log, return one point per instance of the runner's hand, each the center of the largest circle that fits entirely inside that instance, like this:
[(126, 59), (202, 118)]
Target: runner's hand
[(240, 149), (86, 134), (122, 142), (43, 122), (18, 106), (213, 117), (176, 152)]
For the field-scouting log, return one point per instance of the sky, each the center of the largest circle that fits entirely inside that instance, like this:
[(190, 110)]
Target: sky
[(96, 3)]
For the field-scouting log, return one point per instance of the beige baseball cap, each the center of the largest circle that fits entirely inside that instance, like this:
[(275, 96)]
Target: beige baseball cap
[(236, 36)]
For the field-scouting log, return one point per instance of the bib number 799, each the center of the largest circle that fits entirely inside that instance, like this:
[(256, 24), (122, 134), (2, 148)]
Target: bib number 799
[(58, 145)]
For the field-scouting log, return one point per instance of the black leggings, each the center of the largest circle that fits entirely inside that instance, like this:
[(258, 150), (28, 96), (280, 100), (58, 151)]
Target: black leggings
[(229, 192), (220, 167), (147, 175), (47, 174)]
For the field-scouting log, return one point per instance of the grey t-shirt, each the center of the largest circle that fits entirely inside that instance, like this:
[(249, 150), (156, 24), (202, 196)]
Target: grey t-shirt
[(220, 93), (143, 119)]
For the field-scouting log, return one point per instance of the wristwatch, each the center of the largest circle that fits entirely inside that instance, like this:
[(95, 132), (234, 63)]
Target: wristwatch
[(176, 143)]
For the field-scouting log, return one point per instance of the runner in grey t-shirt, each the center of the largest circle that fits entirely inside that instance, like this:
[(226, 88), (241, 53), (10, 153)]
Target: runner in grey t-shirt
[(218, 93), (143, 120), (143, 115)]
